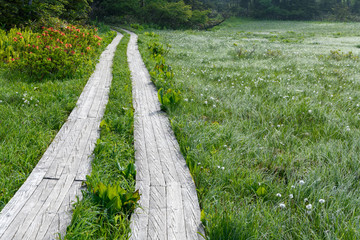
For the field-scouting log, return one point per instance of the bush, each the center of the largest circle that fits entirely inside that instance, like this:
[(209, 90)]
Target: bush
[(50, 53)]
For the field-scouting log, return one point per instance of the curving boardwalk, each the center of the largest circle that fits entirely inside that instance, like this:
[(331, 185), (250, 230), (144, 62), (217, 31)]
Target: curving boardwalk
[(41, 207), (169, 203)]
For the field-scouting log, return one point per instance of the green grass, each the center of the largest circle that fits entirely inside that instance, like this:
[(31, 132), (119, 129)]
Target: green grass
[(114, 151), (31, 113), (267, 105)]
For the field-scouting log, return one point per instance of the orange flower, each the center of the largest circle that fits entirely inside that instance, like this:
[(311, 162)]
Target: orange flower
[(15, 39), (21, 37), (49, 59), (88, 48), (99, 44), (18, 33)]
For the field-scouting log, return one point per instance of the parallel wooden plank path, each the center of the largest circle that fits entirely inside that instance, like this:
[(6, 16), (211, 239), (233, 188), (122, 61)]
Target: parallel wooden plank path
[(41, 207), (169, 203)]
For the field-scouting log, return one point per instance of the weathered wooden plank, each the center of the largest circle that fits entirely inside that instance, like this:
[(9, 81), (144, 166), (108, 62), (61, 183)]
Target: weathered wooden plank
[(191, 213), (23, 220), (63, 217), (43, 217), (175, 215), (140, 217), (72, 150), (157, 226)]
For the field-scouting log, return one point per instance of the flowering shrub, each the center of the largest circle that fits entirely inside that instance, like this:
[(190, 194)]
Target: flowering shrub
[(52, 52)]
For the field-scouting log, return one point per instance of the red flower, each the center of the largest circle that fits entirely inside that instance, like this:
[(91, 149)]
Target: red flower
[(99, 44), (49, 59), (21, 37), (18, 33), (15, 39)]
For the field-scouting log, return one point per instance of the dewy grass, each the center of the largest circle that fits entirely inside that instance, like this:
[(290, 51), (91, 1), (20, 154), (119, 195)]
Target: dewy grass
[(31, 113), (113, 153), (272, 138)]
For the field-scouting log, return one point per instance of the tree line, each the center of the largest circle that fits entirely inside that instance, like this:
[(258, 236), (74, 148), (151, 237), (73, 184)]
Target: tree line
[(290, 9), (173, 13)]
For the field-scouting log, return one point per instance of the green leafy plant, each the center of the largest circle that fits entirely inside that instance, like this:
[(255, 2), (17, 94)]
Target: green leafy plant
[(339, 55), (169, 98), (137, 26), (113, 197), (157, 49)]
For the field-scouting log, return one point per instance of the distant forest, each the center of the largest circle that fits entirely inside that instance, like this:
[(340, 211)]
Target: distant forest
[(173, 13)]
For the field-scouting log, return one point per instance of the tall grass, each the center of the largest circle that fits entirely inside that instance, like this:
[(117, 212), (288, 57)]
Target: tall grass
[(269, 126)]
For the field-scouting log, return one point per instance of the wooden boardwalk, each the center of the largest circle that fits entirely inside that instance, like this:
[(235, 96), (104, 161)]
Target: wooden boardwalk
[(41, 207), (169, 203)]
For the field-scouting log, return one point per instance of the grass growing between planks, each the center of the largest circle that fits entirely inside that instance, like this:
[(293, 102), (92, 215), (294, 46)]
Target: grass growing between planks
[(269, 126), (31, 113), (113, 161)]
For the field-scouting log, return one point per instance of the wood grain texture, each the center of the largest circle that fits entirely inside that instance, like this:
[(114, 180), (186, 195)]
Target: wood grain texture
[(169, 207), (41, 208)]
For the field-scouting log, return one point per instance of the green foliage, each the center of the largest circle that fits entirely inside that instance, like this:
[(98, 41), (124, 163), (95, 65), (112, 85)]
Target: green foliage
[(157, 48), (339, 55), (25, 13), (137, 26), (169, 98), (113, 197), (54, 52)]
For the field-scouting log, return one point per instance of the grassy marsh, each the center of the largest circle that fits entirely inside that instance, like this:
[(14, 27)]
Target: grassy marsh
[(269, 126)]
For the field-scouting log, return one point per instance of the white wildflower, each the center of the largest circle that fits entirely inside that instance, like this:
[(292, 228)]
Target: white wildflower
[(186, 99), (278, 194), (321, 200), (206, 102), (282, 205), (291, 196), (301, 182), (310, 111), (309, 206)]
